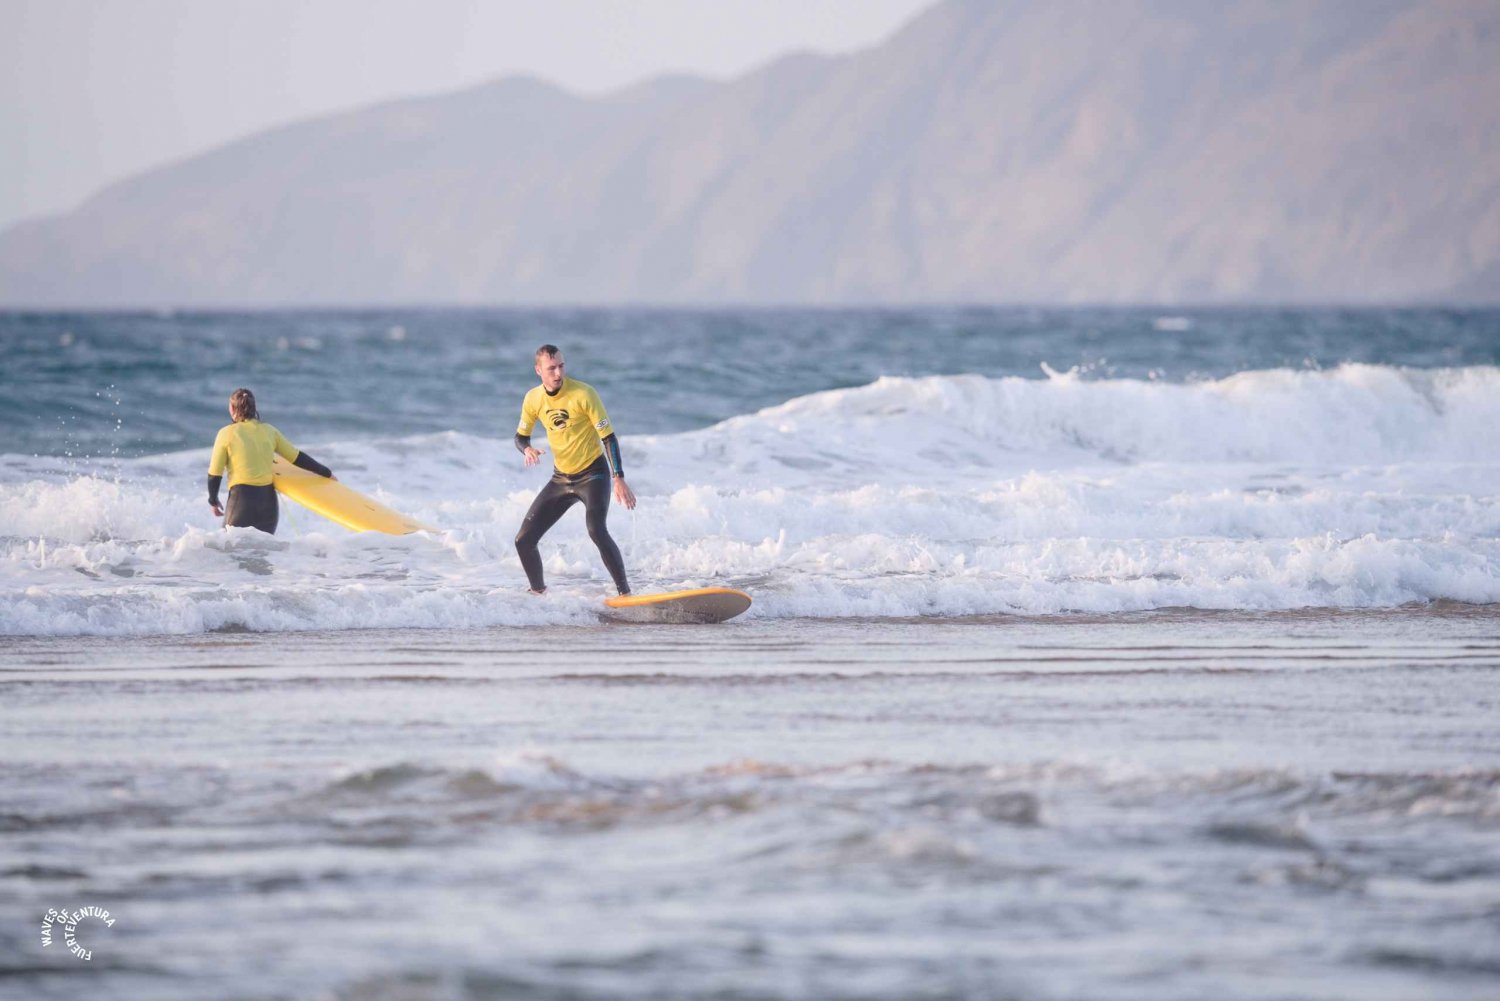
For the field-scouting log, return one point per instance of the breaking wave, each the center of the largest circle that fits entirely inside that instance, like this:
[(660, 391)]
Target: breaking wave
[(1363, 486)]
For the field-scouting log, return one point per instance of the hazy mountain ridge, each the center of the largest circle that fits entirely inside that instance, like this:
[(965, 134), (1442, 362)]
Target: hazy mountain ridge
[(1008, 151)]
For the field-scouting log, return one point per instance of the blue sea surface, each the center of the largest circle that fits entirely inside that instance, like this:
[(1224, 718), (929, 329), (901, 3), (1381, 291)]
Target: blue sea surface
[(130, 384), (1163, 672), (887, 463)]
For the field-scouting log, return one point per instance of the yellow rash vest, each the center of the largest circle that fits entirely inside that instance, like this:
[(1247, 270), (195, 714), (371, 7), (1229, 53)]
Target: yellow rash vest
[(247, 448), (575, 420)]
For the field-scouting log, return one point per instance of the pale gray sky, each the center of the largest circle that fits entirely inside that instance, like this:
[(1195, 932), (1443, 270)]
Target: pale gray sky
[(95, 90)]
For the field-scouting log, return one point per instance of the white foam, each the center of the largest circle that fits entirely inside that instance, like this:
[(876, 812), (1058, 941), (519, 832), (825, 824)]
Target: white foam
[(1363, 486)]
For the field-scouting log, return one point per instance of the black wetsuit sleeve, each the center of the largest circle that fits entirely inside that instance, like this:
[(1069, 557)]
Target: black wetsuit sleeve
[(612, 455), (307, 462), (213, 489), (523, 442)]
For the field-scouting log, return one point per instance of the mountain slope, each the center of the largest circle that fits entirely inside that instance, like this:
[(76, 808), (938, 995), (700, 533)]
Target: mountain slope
[(1345, 150)]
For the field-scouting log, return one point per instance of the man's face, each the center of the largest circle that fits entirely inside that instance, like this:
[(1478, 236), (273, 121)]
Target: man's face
[(550, 368)]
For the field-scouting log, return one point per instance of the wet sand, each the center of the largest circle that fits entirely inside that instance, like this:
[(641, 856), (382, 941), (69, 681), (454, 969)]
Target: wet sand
[(1163, 805)]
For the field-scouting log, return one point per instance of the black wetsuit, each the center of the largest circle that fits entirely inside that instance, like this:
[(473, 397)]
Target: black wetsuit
[(592, 486), (252, 506)]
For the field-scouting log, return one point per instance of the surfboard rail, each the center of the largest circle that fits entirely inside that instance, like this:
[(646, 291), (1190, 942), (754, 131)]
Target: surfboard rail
[(698, 605), (340, 503)]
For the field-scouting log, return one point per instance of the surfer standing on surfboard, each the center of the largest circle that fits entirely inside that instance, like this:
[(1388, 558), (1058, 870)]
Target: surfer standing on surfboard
[(585, 457), (248, 447)]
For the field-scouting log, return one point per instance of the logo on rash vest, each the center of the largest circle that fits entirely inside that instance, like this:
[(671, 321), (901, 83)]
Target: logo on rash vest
[(558, 419), (602, 424)]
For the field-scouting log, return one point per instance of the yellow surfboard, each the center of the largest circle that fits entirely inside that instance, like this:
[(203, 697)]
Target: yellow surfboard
[(339, 503), (705, 604)]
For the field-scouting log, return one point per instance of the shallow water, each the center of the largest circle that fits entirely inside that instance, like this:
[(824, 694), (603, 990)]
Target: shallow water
[(1364, 486), (1171, 804), (869, 463)]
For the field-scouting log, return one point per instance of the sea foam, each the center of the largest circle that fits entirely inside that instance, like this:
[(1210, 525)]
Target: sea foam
[(1362, 486)]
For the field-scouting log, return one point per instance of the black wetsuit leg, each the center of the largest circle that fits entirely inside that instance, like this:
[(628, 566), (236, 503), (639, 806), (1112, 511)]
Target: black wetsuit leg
[(545, 510), (252, 507), (596, 494), (561, 492)]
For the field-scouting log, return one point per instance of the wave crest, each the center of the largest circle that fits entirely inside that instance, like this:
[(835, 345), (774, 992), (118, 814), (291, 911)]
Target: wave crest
[(1364, 486)]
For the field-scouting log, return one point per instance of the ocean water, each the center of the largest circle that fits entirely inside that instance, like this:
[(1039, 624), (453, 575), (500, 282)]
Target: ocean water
[(1095, 654), (938, 463)]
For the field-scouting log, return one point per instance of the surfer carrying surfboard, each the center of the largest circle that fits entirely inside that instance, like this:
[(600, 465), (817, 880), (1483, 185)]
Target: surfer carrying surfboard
[(585, 457), (248, 447)]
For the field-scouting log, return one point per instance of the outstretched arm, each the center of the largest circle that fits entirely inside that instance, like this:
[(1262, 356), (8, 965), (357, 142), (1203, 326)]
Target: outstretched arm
[(307, 462), (523, 432), (623, 493), (216, 465), (523, 445), (594, 407), (300, 459)]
